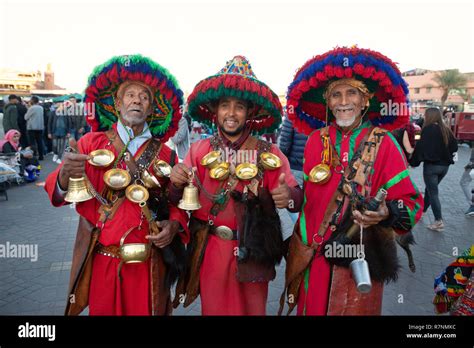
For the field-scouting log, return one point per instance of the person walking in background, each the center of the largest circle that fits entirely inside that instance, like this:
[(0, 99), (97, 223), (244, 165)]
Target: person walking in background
[(76, 119), (292, 144), (181, 138), (465, 183), (10, 114), (435, 148), (35, 125), (21, 107), (58, 132)]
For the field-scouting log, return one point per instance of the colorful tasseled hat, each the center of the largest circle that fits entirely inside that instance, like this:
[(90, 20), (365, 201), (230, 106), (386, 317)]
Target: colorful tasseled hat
[(388, 108), (237, 80), (105, 80)]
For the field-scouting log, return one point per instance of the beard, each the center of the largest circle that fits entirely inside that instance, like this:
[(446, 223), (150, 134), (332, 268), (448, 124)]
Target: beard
[(233, 133), (134, 121), (346, 123)]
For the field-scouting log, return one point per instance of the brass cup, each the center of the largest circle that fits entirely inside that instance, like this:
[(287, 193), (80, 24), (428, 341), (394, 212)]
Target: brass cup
[(270, 161), (134, 252), (162, 169), (78, 191), (117, 179), (136, 193), (246, 171), (101, 158), (149, 180), (320, 174), (211, 160), (220, 172)]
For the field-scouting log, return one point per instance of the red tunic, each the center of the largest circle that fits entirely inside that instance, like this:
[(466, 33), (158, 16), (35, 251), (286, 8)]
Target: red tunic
[(109, 296), (390, 172), (221, 292)]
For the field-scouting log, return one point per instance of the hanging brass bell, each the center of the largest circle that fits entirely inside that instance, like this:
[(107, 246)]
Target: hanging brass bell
[(190, 200), (78, 191), (320, 174)]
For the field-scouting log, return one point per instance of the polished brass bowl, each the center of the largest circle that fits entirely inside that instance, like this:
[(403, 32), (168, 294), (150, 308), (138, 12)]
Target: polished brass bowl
[(117, 179), (149, 180), (211, 160), (101, 158), (135, 252), (220, 172), (270, 161), (162, 169), (246, 171), (137, 193), (320, 174)]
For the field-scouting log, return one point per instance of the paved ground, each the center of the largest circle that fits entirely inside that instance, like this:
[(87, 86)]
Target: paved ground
[(39, 288)]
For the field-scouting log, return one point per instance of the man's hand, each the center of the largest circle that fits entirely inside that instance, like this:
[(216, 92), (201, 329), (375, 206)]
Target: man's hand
[(282, 194), (50, 136), (180, 175), (73, 166), (81, 130), (169, 229), (370, 218)]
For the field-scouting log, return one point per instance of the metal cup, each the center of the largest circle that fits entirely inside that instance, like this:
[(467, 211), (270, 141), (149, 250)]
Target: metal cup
[(361, 275)]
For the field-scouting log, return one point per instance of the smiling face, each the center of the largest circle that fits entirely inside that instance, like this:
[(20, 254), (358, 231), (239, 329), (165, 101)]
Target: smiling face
[(134, 104), (231, 115), (346, 103)]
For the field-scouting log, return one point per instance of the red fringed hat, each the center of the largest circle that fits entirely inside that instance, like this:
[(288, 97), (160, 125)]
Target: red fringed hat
[(237, 80), (306, 105), (105, 80)]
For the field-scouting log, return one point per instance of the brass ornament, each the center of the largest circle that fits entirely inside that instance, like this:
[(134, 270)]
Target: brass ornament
[(220, 172), (320, 174), (78, 191), (246, 171), (190, 200), (211, 160), (162, 169), (270, 161), (137, 193), (101, 158), (117, 179)]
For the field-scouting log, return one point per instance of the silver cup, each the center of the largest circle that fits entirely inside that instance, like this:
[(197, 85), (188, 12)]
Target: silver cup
[(361, 275)]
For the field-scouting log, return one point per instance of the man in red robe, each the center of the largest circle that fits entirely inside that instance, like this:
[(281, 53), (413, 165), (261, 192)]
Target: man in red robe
[(242, 238), (340, 94), (124, 123)]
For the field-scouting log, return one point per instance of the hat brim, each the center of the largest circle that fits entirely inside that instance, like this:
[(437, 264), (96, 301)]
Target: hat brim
[(167, 100), (388, 108), (267, 110)]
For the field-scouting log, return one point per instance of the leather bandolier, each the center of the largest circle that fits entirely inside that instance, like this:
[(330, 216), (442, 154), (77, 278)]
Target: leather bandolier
[(344, 298), (87, 238), (259, 234)]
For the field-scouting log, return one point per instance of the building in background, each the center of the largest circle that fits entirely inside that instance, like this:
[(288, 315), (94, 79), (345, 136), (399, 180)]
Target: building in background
[(425, 91)]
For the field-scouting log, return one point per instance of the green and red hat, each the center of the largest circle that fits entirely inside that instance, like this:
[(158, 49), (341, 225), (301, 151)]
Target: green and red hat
[(307, 107), (236, 80), (105, 80)]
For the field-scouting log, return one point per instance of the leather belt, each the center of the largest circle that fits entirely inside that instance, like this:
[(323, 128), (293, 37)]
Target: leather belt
[(223, 232), (111, 250)]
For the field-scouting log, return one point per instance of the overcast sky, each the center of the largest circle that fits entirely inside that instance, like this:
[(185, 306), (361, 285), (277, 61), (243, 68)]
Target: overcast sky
[(195, 39)]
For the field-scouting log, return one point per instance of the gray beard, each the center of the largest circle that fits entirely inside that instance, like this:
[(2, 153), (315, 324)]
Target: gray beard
[(345, 123), (133, 121)]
